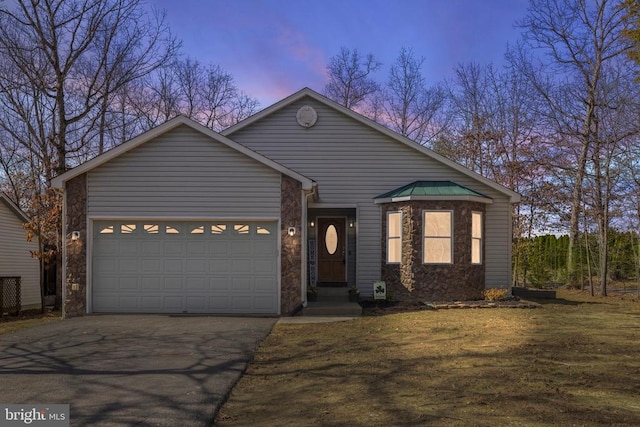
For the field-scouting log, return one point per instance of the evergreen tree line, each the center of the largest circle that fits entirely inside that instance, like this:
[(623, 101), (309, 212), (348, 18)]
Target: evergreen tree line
[(541, 261)]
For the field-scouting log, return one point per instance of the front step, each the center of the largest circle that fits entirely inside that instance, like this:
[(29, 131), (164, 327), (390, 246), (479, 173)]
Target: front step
[(333, 294), (328, 308)]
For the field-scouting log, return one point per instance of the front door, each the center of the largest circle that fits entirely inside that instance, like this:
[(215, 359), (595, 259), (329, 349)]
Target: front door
[(332, 261)]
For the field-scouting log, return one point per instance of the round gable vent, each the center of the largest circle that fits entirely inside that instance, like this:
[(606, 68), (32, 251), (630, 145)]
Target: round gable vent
[(306, 116)]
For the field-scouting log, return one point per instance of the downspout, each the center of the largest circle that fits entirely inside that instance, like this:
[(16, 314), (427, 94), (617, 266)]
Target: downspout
[(305, 205)]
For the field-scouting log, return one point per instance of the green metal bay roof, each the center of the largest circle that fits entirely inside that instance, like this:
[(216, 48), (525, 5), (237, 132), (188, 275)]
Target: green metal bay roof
[(431, 190)]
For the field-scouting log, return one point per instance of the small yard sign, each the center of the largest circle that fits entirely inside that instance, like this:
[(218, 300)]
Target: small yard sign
[(379, 290)]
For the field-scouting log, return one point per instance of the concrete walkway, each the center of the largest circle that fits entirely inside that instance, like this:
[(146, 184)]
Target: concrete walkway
[(117, 370)]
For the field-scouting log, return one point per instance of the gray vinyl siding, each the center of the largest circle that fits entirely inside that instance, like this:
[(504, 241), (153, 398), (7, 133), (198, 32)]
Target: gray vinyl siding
[(16, 259), (182, 174), (353, 163)]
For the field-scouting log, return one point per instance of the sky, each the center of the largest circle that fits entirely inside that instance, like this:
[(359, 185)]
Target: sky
[(274, 48)]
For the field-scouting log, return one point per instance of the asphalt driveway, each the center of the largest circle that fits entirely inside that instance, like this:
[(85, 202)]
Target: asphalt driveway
[(130, 369)]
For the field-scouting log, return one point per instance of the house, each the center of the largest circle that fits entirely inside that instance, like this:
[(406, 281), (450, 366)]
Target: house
[(182, 219), (16, 260)]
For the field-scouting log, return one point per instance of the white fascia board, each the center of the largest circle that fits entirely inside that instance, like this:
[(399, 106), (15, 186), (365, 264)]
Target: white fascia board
[(58, 182), (513, 196), (484, 200)]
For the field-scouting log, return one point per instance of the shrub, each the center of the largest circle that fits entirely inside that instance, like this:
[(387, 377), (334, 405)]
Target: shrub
[(496, 294)]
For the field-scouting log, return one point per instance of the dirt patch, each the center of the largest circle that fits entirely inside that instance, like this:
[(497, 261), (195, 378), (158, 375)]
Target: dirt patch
[(381, 308), (26, 319)]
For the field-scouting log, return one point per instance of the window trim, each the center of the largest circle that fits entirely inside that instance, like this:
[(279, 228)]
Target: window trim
[(480, 239), (450, 237), (389, 238)]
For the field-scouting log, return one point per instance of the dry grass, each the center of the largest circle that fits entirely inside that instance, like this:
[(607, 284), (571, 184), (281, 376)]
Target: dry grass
[(575, 361), (10, 324)]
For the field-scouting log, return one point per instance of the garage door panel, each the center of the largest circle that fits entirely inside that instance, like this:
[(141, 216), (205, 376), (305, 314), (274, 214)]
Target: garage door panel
[(128, 265), (151, 248), (106, 266), (173, 266), (173, 283), (106, 247), (197, 248), (128, 248), (241, 265), (266, 303), (219, 265), (264, 266), (199, 266), (128, 283), (220, 283), (128, 303), (263, 249), (242, 303), (219, 303), (151, 283), (173, 303), (185, 266), (241, 283), (173, 248), (197, 283), (150, 266), (264, 284), (219, 247)]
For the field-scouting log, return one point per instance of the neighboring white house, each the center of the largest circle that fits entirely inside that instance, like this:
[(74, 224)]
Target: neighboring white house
[(15, 253), (306, 192)]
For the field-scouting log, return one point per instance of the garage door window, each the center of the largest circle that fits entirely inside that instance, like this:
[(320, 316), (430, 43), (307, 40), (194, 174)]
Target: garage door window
[(107, 230), (241, 228), (127, 228), (218, 228), (151, 228)]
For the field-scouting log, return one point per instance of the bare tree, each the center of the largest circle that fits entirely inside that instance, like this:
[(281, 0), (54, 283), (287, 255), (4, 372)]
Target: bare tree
[(68, 58), (350, 80), (206, 94), (580, 38), (409, 106)]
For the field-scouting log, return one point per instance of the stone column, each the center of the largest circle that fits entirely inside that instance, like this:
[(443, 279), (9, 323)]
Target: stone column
[(291, 255), (76, 261)]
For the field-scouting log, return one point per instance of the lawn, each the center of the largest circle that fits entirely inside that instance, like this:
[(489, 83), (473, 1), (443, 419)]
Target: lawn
[(573, 362)]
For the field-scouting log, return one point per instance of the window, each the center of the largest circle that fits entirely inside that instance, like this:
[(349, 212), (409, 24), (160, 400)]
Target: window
[(437, 237), (394, 237), (476, 238)]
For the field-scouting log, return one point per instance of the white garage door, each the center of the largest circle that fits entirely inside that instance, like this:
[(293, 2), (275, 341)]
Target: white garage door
[(185, 267)]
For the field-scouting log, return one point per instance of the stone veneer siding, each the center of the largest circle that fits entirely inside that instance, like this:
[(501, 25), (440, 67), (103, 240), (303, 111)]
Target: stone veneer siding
[(412, 279), (291, 251), (76, 261)]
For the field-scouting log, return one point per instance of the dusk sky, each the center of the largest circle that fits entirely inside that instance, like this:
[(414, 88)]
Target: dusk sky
[(275, 47)]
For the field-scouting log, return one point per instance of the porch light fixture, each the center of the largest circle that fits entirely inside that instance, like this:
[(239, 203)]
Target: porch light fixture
[(312, 224), (352, 223), (292, 231)]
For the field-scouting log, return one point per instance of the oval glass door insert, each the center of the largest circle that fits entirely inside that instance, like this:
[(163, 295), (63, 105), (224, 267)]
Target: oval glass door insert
[(331, 239)]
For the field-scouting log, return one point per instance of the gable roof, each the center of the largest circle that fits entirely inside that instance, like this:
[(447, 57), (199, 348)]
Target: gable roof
[(432, 190), (306, 92), (58, 181), (13, 207)]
